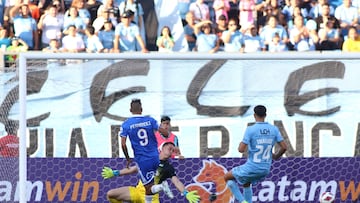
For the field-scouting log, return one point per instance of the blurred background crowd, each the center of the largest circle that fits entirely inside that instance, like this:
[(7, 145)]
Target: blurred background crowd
[(114, 26)]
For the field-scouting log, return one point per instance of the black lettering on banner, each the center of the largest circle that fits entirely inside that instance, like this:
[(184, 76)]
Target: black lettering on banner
[(198, 84), (115, 144), (215, 152), (77, 140), (315, 132), (100, 103), (49, 140), (299, 144), (357, 142), (35, 80), (323, 70), (34, 142)]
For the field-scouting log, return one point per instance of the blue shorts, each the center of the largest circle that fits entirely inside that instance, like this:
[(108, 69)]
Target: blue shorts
[(147, 169), (245, 174)]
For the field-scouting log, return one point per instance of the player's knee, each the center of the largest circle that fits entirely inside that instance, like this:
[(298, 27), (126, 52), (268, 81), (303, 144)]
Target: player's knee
[(247, 184), (228, 176)]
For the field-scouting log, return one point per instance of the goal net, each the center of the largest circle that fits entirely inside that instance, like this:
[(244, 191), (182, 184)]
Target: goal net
[(70, 105)]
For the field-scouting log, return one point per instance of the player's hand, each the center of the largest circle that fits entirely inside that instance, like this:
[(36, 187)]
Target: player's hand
[(108, 173), (192, 197)]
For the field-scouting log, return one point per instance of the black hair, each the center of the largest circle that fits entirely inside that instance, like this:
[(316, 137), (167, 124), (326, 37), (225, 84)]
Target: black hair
[(91, 29), (260, 110), (165, 118)]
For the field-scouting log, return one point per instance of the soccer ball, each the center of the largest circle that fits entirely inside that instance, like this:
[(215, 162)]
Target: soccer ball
[(327, 197)]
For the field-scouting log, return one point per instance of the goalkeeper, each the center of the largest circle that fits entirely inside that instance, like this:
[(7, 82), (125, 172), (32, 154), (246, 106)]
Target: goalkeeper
[(164, 171)]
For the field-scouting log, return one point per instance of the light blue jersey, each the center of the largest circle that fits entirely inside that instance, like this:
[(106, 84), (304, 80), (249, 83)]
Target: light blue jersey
[(260, 139)]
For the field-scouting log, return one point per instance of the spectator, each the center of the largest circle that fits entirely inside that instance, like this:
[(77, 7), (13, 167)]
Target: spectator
[(252, 41), (43, 5), (107, 36), (51, 25), (272, 27), (329, 36), (233, 39), (110, 6), (92, 42), (99, 22), (34, 9), (263, 19), (317, 10), (300, 36), (165, 42), (221, 26), (5, 41), (291, 23), (72, 18), (183, 7), (84, 14), (234, 9), (92, 6), (25, 26), (189, 31), (288, 10), (247, 12), (73, 42), (126, 34), (2, 11), (200, 10), (206, 40), (276, 44), (53, 46), (326, 16), (352, 42), (137, 18), (221, 8), (17, 45), (347, 15)]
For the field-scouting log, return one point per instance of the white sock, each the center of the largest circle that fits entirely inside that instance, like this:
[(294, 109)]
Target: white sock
[(148, 198), (156, 188)]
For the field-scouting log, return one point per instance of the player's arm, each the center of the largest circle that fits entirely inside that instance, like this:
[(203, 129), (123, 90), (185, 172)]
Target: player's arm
[(125, 151), (109, 173), (282, 150), (191, 196), (242, 147)]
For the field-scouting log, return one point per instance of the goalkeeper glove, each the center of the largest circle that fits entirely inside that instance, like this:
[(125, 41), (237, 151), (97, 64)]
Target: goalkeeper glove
[(191, 196), (109, 173)]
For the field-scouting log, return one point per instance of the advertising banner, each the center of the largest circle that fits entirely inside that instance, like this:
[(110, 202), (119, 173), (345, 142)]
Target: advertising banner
[(291, 180)]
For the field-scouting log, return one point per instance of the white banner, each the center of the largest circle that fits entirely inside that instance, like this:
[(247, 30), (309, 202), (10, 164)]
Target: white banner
[(75, 110)]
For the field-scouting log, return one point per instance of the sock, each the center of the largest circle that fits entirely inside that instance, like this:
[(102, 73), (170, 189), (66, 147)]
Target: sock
[(112, 200), (156, 188), (248, 194), (235, 190), (148, 198)]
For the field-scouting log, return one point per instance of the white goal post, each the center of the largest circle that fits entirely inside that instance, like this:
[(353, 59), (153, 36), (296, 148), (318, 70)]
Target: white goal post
[(23, 65)]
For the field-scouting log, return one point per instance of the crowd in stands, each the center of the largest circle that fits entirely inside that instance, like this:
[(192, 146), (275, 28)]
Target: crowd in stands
[(209, 26)]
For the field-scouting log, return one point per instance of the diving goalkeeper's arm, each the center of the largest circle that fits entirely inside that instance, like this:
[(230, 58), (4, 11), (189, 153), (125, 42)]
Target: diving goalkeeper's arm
[(109, 173), (191, 196)]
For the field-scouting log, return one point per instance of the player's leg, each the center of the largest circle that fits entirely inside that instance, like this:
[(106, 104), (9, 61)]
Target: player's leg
[(119, 195), (248, 193), (234, 187), (147, 171)]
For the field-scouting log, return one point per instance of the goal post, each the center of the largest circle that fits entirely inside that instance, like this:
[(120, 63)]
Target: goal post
[(24, 65)]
